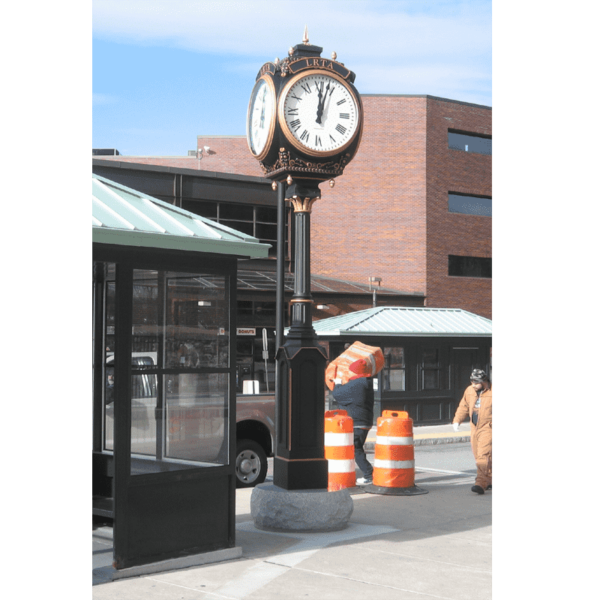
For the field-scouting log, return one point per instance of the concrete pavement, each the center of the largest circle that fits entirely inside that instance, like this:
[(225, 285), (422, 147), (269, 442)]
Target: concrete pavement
[(437, 545)]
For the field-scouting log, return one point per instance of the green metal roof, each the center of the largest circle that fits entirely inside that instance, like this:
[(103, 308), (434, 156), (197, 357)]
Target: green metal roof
[(126, 217), (406, 321)]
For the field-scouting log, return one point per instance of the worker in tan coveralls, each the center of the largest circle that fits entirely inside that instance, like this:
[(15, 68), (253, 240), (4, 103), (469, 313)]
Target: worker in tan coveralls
[(476, 404)]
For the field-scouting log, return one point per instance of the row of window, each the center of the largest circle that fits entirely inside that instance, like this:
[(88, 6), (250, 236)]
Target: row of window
[(258, 221), (538, 146), (523, 207)]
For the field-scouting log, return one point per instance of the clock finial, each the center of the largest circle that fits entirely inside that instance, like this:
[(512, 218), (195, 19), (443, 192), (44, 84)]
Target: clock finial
[(305, 38)]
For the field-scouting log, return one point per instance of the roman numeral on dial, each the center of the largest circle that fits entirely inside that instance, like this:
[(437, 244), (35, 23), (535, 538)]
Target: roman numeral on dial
[(295, 124), (341, 129), (344, 115)]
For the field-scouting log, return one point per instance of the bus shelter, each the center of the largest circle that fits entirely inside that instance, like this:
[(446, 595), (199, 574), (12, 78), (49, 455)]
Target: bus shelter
[(164, 290), (429, 355)]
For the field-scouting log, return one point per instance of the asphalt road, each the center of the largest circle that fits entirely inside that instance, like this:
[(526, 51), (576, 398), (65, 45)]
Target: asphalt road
[(434, 464)]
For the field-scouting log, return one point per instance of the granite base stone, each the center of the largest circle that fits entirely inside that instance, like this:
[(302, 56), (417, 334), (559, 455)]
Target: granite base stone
[(276, 509)]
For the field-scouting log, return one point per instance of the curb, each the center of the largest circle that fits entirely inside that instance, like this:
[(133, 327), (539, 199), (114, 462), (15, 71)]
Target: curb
[(429, 441)]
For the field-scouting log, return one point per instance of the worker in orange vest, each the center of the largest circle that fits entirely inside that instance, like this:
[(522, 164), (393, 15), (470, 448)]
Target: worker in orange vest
[(476, 404)]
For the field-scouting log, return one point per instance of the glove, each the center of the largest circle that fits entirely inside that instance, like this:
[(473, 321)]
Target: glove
[(456, 426)]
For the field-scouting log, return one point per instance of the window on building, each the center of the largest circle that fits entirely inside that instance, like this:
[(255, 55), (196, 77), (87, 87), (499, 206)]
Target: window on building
[(468, 142), (251, 365), (258, 313), (469, 205), (258, 221), (431, 369), (469, 266), (523, 207), (394, 370)]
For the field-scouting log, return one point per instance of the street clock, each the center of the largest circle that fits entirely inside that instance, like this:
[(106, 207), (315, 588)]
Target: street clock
[(305, 118)]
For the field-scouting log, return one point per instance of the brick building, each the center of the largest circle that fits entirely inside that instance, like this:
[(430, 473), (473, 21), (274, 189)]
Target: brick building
[(413, 208)]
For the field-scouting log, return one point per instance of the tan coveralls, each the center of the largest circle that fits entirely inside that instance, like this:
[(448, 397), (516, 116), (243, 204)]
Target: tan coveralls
[(481, 434)]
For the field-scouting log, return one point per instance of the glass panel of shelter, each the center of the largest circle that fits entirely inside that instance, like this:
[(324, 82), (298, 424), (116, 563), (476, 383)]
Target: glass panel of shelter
[(179, 361), (108, 369)]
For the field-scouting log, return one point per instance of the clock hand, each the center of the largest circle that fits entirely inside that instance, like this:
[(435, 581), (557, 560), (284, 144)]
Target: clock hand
[(262, 112), (320, 105)]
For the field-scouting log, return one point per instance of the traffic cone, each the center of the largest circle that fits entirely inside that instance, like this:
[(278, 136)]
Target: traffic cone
[(394, 467)]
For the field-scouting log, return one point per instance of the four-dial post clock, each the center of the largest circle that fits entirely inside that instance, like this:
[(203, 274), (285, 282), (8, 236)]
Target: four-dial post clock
[(304, 127)]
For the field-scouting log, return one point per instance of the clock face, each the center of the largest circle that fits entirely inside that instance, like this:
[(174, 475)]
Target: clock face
[(260, 123), (318, 113)]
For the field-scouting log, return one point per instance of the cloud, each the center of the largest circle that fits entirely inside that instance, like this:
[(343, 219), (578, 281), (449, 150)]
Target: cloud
[(103, 99), (393, 46), (380, 30)]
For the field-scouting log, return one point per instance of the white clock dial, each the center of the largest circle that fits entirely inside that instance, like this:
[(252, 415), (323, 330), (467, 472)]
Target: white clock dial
[(319, 113), (260, 123)]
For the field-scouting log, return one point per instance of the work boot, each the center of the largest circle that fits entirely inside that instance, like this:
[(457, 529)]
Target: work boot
[(477, 489), (489, 487)]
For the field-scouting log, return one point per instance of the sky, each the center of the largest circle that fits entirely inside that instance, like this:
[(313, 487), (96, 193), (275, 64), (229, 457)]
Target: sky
[(166, 71)]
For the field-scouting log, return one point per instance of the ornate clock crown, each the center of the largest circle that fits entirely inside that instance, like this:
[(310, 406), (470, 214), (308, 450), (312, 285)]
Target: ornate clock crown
[(305, 48)]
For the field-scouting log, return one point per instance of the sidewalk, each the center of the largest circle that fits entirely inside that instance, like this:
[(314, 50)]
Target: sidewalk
[(431, 434), (432, 546)]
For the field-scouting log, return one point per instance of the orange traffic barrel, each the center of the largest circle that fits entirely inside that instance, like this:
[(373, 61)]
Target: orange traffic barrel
[(394, 466), (339, 449)]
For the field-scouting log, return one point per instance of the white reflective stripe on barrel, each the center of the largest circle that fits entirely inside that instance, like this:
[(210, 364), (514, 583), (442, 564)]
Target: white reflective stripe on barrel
[(339, 439), (394, 464), (341, 466), (384, 440)]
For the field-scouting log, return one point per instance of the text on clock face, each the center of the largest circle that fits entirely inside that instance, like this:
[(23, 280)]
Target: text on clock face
[(320, 112)]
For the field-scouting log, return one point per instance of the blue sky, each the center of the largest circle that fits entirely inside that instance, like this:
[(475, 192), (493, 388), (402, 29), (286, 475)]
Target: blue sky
[(165, 71)]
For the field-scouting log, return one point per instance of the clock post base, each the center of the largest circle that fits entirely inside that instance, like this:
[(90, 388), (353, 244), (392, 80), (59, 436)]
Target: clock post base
[(275, 509)]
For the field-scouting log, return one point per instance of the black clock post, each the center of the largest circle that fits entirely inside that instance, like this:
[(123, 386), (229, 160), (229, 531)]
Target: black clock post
[(299, 458), (302, 137)]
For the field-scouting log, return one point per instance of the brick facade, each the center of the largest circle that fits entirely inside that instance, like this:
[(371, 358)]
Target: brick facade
[(450, 233), (388, 214)]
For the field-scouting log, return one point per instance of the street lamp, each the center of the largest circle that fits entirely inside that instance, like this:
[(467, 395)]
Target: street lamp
[(376, 280)]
